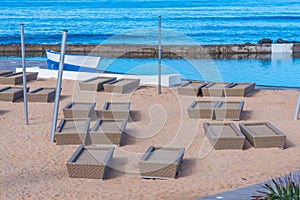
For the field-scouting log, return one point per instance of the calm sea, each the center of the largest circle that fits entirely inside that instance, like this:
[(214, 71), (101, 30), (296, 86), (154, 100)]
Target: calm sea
[(135, 21)]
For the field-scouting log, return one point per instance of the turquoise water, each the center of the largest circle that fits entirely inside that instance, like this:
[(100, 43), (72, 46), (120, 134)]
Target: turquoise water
[(135, 21), (270, 72), (273, 72)]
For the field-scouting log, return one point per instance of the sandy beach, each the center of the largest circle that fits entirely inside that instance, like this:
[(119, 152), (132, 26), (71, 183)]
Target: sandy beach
[(32, 167)]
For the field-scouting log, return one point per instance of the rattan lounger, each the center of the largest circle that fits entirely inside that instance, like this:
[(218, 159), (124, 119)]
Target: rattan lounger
[(5, 72), (122, 86), (191, 88), (90, 162), (116, 110), (215, 89), (203, 109), (230, 110), (11, 93), (17, 78), (95, 84), (72, 131), (224, 136), (79, 110), (263, 135), (41, 95), (240, 90), (162, 163), (108, 132)]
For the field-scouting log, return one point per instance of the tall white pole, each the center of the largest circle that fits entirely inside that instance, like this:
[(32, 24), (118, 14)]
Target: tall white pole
[(159, 54), (24, 75), (58, 83), (297, 108)]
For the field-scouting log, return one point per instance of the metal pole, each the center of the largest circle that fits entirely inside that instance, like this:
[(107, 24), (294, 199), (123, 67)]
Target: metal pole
[(24, 74), (58, 83), (297, 108), (159, 54)]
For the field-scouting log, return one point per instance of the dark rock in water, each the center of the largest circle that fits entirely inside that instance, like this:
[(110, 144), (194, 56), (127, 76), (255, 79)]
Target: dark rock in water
[(280, 41), (247, 43), (265, 41)]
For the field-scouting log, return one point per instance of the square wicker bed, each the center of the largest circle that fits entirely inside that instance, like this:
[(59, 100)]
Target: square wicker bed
[(215, 89), (5, 72), (90, 162), (116, 110), (263, 135), (203, 109), (108, 132), (95, 84), (161, 163), (72, 131), (41, 95), (191, 88), (11, 94), (17, 78), (79, 110), (230, 110), (224, 136), (122, 86), (239, 89)]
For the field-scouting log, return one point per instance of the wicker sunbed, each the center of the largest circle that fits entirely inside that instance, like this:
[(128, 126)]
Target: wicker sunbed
[(11, 93), (108, 132), (240, 90), (72, 131), (90, 162), (5, 72), (41, 95), (224, 136), (162, 163), (203, 109), (79, 110), (116, 110), (191, 88), (95, 84), (122, 85), (230, 110), (263, 135), (17, 78), (215, 89)]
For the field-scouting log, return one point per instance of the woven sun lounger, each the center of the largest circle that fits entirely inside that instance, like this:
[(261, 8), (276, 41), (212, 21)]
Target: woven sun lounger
[(95, 84), (79, 110), (41, 95), (72, 131), (17, 78), (161, 163), (11, 94), (224, 136), (116, 110), (122, 86), (263, 135), (5, 72), (230, 110), (215, 89), (90, 162), (191, 88), (108, 132), (239, 89), (203, 109)]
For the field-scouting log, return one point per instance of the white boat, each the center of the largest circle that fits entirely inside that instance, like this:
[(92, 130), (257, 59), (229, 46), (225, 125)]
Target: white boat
[(73, 62)]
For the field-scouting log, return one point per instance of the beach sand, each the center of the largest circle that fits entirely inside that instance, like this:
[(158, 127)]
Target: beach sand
[(32, 167)]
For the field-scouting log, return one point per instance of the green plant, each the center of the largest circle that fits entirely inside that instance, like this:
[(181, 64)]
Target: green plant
[(282, 188)]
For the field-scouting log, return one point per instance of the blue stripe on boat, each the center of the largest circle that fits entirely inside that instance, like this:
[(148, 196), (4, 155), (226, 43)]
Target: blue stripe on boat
[(55, 65)]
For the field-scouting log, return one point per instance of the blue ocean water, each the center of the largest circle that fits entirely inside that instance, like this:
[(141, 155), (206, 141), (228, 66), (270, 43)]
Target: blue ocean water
[(135, 21)]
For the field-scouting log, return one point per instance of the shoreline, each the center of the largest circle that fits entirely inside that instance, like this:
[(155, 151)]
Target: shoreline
[(151, 51)]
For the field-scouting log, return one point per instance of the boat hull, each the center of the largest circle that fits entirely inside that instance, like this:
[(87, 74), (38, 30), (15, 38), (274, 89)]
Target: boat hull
[(72, 62)]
